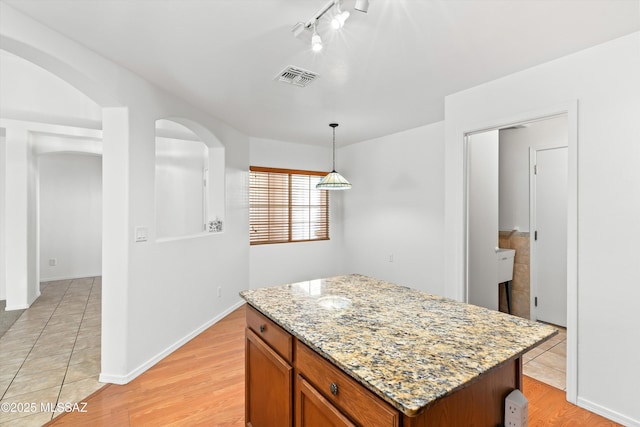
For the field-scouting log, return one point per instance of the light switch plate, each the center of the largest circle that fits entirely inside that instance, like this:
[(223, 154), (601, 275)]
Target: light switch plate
[(141, 234)]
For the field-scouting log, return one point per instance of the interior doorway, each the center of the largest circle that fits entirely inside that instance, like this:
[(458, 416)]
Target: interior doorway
[(500, 210)]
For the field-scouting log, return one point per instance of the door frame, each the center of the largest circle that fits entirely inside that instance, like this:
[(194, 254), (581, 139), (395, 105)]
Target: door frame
[(570, 109)]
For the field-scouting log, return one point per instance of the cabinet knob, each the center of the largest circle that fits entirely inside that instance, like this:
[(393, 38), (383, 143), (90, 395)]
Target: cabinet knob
[(262, 328), (334, 389)]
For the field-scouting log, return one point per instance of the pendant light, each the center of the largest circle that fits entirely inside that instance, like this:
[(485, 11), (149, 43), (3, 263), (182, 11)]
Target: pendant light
[(333, 181)]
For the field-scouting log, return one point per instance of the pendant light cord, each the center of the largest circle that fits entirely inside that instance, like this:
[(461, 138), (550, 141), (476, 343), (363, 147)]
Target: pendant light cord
[(334, 148)]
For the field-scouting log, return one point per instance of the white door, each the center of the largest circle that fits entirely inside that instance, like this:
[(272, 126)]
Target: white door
[(482, 219), (549, 240)]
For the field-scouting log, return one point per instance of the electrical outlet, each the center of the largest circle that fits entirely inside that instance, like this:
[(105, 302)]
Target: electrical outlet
[(516, 410), (390, 257), (219, 291)]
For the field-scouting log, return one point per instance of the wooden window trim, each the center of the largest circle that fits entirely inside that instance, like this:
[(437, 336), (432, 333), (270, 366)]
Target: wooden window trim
[(287, 171)]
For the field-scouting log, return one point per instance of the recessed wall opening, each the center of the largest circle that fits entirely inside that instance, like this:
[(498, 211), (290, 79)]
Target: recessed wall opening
[(189, 183)]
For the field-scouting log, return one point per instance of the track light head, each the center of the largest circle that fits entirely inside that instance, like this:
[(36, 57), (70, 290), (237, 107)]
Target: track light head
[(338, 21), (298, 29), (362, 5), (316, 41)]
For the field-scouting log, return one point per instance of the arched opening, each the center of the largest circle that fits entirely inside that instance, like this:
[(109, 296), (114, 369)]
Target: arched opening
[(51, 162), (189, 180)]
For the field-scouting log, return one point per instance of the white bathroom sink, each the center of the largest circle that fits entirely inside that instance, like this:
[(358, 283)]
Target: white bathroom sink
[(505, 259)]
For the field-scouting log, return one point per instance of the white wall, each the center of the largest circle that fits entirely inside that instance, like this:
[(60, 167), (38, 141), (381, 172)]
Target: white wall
[(3, 286), (293, 262), (20, 219), (605, 80), (179, 187), (38, 95), (395, 207), (156, 295), (514, 166), (70, 215)]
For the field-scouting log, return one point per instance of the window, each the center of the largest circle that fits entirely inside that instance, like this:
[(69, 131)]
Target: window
[(284, 206)]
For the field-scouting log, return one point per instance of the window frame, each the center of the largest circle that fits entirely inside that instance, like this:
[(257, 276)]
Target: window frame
[(289, 223)]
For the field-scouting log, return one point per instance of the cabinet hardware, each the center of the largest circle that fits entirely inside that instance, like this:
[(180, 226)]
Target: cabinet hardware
[(334, 389), (262, 328)]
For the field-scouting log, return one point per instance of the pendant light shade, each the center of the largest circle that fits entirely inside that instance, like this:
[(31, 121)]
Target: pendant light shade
[(333, 181)]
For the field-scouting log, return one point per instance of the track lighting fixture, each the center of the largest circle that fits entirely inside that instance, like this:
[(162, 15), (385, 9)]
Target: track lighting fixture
[(316, 41), (337, 22), (362, 5)]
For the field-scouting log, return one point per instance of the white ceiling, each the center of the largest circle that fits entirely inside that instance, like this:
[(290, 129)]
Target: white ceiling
[(388, 70)]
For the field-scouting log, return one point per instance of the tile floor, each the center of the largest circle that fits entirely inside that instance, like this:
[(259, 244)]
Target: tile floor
[(51, 354), (548, 361)]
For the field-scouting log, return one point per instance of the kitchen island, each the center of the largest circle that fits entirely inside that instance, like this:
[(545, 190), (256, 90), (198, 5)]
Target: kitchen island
[(353, 350)]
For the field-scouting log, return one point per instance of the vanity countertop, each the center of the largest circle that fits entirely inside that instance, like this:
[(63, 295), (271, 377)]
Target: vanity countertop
[(407, 346)]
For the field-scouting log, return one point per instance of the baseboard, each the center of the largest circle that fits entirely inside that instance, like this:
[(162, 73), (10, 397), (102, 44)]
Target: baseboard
[(16, 307), (22, 307), (80, 276), (124, 379), (608, 413), (112, 379)]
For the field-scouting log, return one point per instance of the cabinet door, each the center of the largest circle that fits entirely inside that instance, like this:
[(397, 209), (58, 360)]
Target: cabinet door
[(313, 410), (269, 384)]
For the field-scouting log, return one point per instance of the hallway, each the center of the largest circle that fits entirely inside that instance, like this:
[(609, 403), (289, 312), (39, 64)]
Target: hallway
[(51, 354)]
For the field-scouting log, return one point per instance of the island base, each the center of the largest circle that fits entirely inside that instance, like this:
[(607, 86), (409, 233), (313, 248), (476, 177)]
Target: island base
[(288, 383), (481, 403)]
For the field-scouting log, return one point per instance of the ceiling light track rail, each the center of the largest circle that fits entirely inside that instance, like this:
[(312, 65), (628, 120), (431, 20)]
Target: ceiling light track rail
[(337, 22)]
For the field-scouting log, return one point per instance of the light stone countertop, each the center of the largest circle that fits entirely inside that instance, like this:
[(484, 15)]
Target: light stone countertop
[(407, 346)]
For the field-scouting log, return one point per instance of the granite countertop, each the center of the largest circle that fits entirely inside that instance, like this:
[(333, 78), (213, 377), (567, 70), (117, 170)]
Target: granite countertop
[(407, 346)]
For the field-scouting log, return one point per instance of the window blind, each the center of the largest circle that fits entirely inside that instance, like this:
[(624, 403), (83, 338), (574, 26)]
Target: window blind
[(284, 206)]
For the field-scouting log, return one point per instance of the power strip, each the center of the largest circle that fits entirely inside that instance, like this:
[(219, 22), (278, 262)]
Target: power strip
[(516, 410)]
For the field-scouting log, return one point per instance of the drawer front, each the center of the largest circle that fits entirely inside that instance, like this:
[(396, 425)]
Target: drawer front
[(279, 339), (353, 399), (312, 409)]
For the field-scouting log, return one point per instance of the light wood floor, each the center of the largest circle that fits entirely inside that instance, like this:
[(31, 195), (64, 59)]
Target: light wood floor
[(202, 383)]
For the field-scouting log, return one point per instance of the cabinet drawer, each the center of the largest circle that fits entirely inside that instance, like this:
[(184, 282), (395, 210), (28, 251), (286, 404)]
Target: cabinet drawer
[(353, 399), (312, 409), (279, 339)]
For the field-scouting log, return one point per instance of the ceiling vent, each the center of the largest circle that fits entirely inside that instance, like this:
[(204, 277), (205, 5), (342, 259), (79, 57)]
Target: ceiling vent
[(296, 76)]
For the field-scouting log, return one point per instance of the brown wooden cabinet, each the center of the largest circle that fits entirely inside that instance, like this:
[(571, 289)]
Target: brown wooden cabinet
[(324, 395), (268, 375)]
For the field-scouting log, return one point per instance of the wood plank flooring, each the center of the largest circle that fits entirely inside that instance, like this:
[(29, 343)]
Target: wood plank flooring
[(202, 383)]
